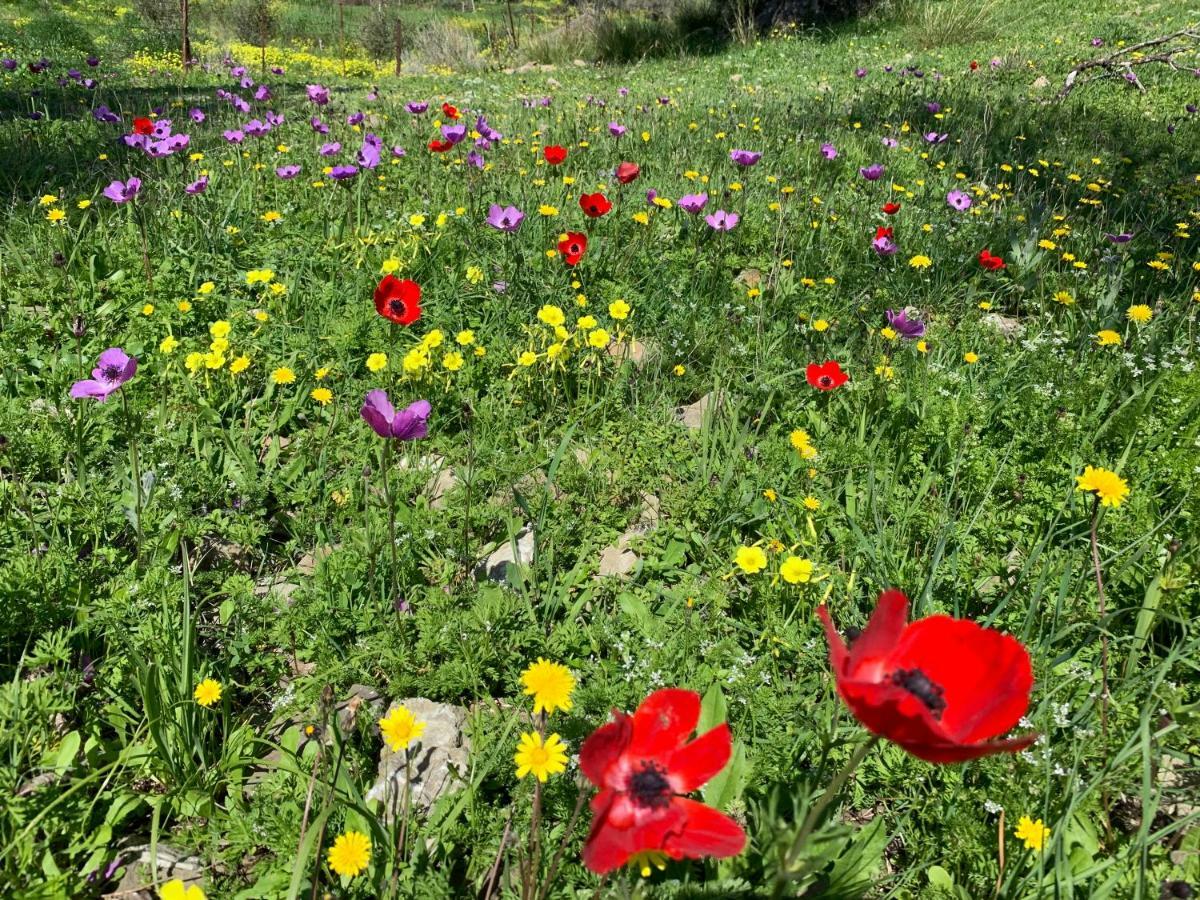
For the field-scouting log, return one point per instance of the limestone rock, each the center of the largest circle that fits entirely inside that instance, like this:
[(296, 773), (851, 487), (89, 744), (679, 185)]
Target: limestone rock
[(617, 559), (138, 881), (438, 763), (514, 553), (692, 415), (1006, 325)]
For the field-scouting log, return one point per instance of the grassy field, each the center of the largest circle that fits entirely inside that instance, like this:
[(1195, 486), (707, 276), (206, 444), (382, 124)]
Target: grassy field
[(221, 582)]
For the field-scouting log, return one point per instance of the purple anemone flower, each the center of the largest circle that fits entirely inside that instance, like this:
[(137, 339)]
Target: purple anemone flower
[(263, 93), (934, 138), (693, 203), (959, 200), (891, 143), (409, 424), (318, 126), (416, 107), (829, 151), (341, 173), (287, 172), (123, 192), (745, 157), (860, 72), (1123, 238), (872, 172), (474, 158), (330, 149), (113, 369), (505, 218), (370, 152), (884, 245), (355, 118), (909, 329), (197, 115), (722, 221), (616, 129), (199, 186), (255, 128), (454, 133), (103, 114), (234, 136), (318, 94)]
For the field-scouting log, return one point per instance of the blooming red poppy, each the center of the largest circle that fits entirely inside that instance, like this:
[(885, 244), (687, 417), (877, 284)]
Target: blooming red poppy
[(143, 125), (989, 262), (572, 247), (826, 376), (627, 172), (555, 154), (890, 209), (594, 205), (398, 300), (882, 232), (941, 688), (450, 112), (440, 146), (643, 764)]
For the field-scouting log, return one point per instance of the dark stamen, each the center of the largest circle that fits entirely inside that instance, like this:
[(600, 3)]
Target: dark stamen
[(852, 635), (649, 786), (112, 373), (918, 684)]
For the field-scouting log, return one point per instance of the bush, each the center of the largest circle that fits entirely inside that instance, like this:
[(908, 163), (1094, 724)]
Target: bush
[(446, 45), (377, 34)]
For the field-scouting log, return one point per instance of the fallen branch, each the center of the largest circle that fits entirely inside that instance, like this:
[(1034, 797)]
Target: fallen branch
[(1122, 62)]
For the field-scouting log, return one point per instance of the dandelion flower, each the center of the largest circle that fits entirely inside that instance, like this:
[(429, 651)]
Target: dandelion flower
[(207, 692), (1110, 487), (283, 375), (1108, 338), (812, 503), (920, 261), (550, 684), (970, 358), (350, 853), (400, 728), (322, 395), (541, 759), (1033, 833), (1139, 314)]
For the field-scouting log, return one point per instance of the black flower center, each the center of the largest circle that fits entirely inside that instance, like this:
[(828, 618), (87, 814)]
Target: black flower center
[(920, 686), (825, 381), (649, 786), (111, 372), (396, 305)]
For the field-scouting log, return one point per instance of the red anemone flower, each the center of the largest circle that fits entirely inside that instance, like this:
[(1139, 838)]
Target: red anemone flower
[(989, 262), (627, 172), (450, 112), (643, 764), (399, 301), (594, 205), (826, 376), (882, 232), (555, 154), (941, 688), (890, 208), (143, 126), (572, 247), (974, 65), (440, 146)]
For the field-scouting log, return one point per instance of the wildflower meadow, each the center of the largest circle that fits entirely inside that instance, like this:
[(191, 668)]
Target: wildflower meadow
[(765, 468)]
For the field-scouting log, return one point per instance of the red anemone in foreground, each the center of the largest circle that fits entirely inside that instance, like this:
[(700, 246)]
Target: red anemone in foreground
[(555, 155), (941, 688), (398, 300), (825, 376), (594, 205), (572, 247), (627, 172), (439, 146), (450, 111), (643, 764)]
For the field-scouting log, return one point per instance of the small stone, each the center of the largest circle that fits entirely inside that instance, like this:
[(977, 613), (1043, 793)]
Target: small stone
[(439, 486), (692, 415), (1006, 325), (633, 350), (1041, 83), (616, 562), (281, 590), (497, 567), (437, 763), (139, 879), (363, 701)]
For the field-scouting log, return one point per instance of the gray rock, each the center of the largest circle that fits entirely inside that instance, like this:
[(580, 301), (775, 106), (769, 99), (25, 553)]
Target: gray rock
[(1006, 325), (618, 560), (633, 350), (692, 415), (138, 882), (439, 486), (514, 553), (437, 763)]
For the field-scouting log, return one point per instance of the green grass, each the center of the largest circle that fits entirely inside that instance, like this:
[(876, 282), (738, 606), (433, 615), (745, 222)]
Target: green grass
[(955, 481)]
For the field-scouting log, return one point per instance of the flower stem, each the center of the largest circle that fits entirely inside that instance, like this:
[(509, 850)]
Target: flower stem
[(391, 513), (137, 473), (818, 809)]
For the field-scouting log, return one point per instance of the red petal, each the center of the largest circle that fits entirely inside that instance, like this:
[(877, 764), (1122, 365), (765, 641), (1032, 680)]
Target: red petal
[(985, 675), (953, 753), (663, 722), (603, 748), (609, 847), (705, 832), (880, 636), (837, 647), (696, 762)]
